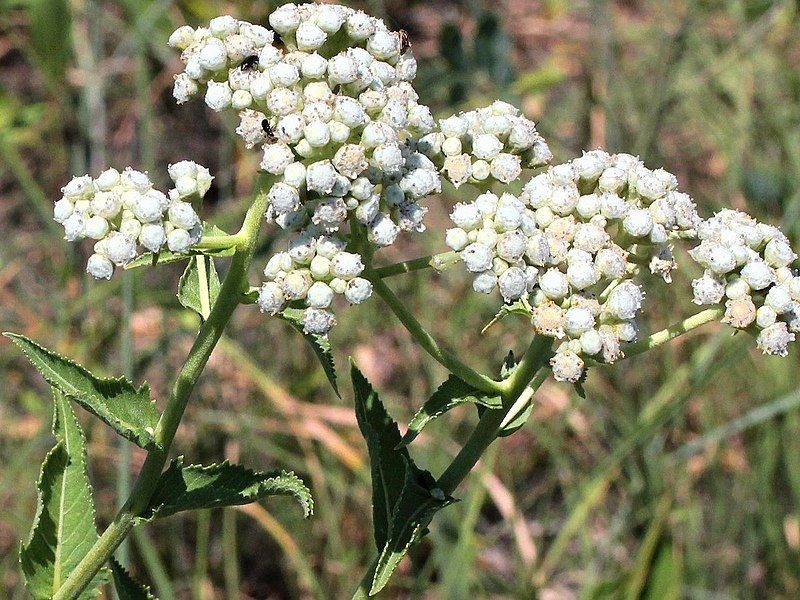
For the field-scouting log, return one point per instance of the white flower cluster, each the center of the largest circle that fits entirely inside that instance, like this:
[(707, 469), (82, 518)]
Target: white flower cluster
[(327, 94), (332, 105), (120, 209), (315, 268), (484, 145), (747, 266), (570, 245)]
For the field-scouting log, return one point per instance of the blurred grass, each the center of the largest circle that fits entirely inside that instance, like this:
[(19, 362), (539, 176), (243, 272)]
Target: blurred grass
[(677, 476)]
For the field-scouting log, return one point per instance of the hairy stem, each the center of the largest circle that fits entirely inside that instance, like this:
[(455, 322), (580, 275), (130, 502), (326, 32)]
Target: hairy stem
[(670, 333), (207, 337), (220, 242)]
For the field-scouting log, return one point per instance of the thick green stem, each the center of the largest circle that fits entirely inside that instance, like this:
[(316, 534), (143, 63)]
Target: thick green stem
[(207, 338), (490, 424), (430, 345)]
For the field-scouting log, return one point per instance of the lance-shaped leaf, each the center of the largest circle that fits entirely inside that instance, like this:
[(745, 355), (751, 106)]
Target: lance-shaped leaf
[(63, 529), (404, 497), (319, 343), (419, 501), (453, 392), (194, 487), (129, 411), (199, 286), (126, 586), (387, 458)]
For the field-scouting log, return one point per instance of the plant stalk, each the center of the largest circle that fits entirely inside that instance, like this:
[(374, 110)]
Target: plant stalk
[(207, 338), (490, 424), (446, 358)]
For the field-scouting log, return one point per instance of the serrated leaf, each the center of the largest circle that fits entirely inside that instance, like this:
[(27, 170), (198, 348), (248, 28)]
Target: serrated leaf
[(165, 257), (63, 530), (127, 410), (453, 392), (419, 501), (126, 586), (404, 497), (387, 457), (319, 343), (194, 487), (198, 291)]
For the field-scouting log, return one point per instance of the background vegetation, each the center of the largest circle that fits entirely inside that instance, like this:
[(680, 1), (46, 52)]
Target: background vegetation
[(677, 476)]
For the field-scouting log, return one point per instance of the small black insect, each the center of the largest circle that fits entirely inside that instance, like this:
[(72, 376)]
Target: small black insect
[(269, 134), (249, 63), (405, 43)]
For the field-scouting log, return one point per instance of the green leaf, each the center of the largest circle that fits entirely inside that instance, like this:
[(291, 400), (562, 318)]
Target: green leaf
[(63, 529), (196, 292), (196, 486), (453, 392), (127, 587), (387, 457), (127, 410), (164, 257), (419, 501), (665, 578), (319, 343), (404, 497)]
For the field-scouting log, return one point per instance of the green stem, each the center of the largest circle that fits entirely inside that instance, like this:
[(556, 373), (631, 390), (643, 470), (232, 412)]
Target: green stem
[(431, 346), (438, 262), (220, 242), (230, 564), (670, 333), (201, 554), (207, 337), (123, 487), (491, 422)]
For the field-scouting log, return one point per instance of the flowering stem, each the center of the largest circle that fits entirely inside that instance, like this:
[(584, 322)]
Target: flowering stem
[(439, 262), (207, 338), (491, 422), (671, 332), (431, 346), (220, 242)]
